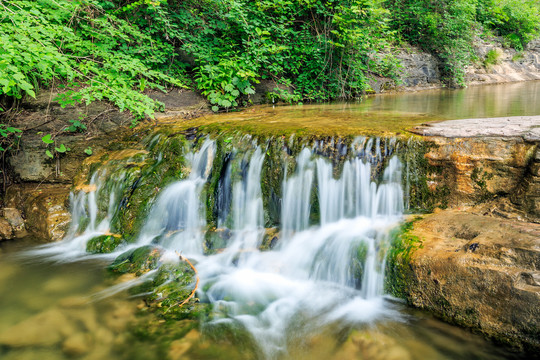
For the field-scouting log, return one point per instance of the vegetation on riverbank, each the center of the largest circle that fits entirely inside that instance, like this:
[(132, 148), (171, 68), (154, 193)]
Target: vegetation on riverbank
[(118, 50)]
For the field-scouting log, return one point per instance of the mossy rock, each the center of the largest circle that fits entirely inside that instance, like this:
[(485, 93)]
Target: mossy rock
[(172, 287), (216, 239), (103, 244), (398, 272), (138, 261)]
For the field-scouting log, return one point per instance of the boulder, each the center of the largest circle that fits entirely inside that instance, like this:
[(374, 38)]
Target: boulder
[(479, 272)]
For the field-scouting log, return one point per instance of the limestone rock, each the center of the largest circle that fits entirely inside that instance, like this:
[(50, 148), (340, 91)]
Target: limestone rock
[(13, 216), (481, 159), (47, 212), (479, 272), (6, 232)]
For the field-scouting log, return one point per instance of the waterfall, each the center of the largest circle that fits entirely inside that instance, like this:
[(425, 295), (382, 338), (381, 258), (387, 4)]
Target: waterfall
[(297, 196), (248, 214), (327, 268), (177, 219), (86, 222), (329, 273)]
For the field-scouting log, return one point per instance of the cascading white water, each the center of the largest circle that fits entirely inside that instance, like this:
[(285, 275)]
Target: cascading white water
[(319, 275), (247, 211), (177, 219), (310, 277), (86, 223), (296, 203)]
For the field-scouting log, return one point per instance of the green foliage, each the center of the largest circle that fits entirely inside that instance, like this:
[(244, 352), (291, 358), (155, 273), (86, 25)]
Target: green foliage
[(321, 49), (96, 54), (76, 126), (442, 27), (61, 149), (492, 57), (117, 50), (10, 137), (518, 21)]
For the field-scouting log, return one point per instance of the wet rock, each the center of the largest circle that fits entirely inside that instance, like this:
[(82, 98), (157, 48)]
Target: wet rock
[(103, 244), (47, 214), (139, 260), (489, 284), (6, 232)]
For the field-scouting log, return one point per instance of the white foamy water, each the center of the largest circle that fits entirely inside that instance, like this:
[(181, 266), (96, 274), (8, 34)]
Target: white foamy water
[(312, 277), (86, 223), (322, 274), (177, 219)]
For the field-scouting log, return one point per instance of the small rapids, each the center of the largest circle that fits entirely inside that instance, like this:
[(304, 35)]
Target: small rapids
[(324, 269)]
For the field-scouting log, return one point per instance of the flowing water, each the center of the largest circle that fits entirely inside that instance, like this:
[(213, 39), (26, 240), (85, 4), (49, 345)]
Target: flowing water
[(315, 290)]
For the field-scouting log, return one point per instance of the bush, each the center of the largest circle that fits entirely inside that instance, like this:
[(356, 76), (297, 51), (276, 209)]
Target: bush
[(517, 21), (93, 53)]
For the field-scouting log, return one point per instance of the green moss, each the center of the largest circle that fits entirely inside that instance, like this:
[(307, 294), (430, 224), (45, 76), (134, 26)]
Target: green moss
[(417, 175), (103, 244), (359, 262), (480, 179), (398, 272), (138, 261)]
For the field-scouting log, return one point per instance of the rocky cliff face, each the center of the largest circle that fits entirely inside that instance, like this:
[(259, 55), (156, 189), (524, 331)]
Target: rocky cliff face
[(420, 70), (509, 65)]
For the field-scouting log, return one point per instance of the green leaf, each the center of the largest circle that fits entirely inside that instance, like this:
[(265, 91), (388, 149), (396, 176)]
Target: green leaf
[(61, 149), (47, 139), (49, 154), (215, 108), (88, 151)]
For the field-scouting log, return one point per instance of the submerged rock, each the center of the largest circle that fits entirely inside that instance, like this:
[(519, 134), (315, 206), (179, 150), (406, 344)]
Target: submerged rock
[(44, 329)]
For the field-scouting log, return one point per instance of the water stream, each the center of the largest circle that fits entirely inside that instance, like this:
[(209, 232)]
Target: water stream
[(315, 290)]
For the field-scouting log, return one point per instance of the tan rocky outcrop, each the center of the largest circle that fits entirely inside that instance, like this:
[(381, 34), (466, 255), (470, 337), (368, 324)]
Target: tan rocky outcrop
[(483, 159), (480, 272), (509, 65), (47, 214)]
